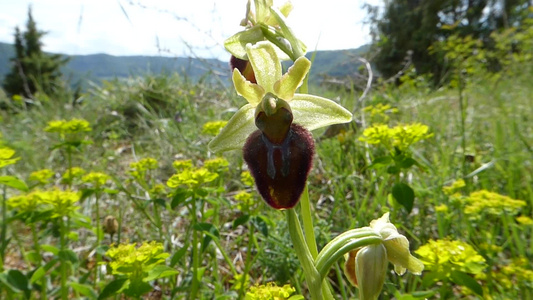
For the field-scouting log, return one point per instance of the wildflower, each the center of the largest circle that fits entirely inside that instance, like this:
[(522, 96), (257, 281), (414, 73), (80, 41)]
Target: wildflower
[(456, 185), (139, 169), (399, 137), (247, 179), (442, 208), (213, 128), (191, 178), (491, 203), (524, 220), (271, 291), (6, 157), (216, 164), (26, 203), (64, 127), (244, 201), (182, 164), (445, 256), (139, 265), (366, 267), (72, 174), (279, 154), (42, 176), (97, 179)]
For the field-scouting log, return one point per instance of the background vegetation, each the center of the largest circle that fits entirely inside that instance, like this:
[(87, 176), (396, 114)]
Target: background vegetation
[(127, 163)]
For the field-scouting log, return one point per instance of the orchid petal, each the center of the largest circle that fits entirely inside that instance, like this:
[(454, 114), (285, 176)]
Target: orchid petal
[(234, 134), (290, 81), (236, 44), (398, 254), (371, 269), (266, 64), (252, 92), (314, 112)]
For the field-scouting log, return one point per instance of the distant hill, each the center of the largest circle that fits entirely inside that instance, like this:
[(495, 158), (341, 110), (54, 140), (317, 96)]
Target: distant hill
[(97, 67)]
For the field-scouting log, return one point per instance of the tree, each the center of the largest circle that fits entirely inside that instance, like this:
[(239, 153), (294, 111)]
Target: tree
[(412, 26), (33, 70)]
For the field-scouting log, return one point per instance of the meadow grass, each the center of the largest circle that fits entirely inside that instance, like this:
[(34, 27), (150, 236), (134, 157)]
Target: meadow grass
[(219, 235)]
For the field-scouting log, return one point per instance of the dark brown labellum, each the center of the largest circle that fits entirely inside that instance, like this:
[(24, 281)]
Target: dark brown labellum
[(280, 169)]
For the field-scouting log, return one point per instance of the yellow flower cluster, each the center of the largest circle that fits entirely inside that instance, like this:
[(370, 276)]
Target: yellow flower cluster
[(61, 203), (139, 168), (213, 128), (71, 174), (247, 179), (127, 259), (182, 164), (68, 127), (271, 291), (380, 111), (97, 179), (216, 164), (400, 137), (456, 185), (244, 201), (512, 275), (191, 178), (491, 203), (6, 157), (444, 256), (42, 176)]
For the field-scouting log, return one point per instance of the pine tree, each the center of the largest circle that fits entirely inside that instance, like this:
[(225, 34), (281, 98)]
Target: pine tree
[(33, 70)]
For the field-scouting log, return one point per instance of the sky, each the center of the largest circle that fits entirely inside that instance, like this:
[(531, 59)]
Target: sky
[(174, 27)]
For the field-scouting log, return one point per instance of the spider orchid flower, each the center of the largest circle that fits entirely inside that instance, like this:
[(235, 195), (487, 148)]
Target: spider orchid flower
[(273, 128)]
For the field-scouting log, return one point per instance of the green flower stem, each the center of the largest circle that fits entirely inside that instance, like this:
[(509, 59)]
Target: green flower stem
[(307, 220), (195, 257), (304, 255), (37, 248), (327, 260), (310, 239), (3, 233), (63, 266)]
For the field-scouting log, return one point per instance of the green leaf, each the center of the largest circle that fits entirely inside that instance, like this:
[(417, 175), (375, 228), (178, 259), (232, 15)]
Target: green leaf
[(464, 279), (178, 255), (260, 224), (18, 280), (314, 112), (407, 162), (235, 133), (14, 182), (68, 255), (84, 289), (211, 232), (159, 271), (240, 220), (50, 248), (404, 194), (179, 197), (113, 287), (137, 289), (42, 270), (380, 162), (393, 170)]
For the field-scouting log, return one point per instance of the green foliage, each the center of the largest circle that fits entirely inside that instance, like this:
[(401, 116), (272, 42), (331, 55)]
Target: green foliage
[(405, 30), (32, 70)]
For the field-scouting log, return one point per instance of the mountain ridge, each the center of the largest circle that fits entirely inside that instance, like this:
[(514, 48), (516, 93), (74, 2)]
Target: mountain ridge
[(101, 66)]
